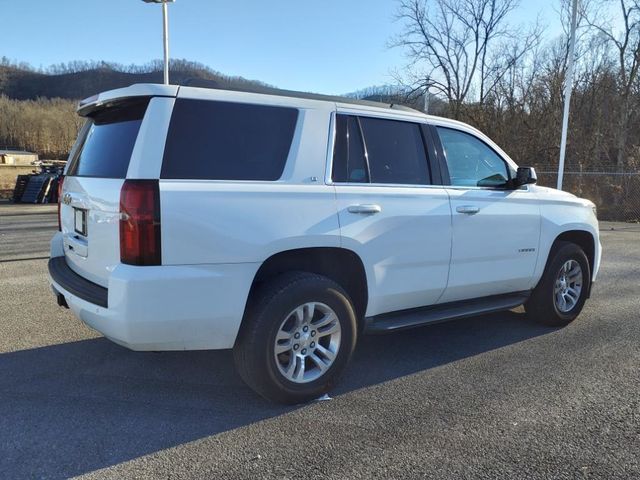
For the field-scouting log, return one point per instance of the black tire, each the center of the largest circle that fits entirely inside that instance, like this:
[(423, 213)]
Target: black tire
[(541, 306), (254, 350)]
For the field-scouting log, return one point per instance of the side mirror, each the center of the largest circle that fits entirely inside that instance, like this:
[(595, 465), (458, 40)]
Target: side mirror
[(525, 176)]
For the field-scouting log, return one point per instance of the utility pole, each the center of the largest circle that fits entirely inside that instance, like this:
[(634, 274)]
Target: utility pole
[(567, 92)]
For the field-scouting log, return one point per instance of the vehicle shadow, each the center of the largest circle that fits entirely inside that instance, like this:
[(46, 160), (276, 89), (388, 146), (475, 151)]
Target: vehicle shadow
[(77, 407)]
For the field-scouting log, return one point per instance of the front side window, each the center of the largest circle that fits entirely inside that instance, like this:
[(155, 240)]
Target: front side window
[(391, 152), (213, 140), (471, 162)]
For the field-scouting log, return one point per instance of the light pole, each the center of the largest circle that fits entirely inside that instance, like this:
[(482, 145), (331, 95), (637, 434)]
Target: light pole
[(426, 100), (567, 93), (165, 35)]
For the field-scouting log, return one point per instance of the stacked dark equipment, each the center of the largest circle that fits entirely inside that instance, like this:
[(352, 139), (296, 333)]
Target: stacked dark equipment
[(38, 187)]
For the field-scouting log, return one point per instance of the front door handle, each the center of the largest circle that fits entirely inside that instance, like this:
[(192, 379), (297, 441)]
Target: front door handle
[(365, 209), (467, 209)]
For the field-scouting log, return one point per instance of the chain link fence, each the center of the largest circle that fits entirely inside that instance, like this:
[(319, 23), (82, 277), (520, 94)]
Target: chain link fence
[(616, 194)]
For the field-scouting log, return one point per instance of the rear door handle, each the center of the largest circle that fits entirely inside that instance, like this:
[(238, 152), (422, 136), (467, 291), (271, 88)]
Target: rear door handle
[(467, 209), (365, 209)]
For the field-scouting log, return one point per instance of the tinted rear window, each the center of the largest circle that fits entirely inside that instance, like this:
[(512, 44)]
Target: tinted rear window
[(349, 162), (106, 149), (227, 141), (395, 151)]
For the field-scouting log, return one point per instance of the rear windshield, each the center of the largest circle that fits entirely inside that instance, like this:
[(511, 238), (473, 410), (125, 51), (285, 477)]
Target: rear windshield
[(106, 148), (213, 140)]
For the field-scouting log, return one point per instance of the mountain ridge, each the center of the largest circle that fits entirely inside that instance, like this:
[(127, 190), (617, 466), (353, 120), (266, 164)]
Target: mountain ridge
[(82, 79)]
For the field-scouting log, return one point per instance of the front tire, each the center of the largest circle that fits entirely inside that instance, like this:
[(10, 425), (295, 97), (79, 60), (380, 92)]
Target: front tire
[(297, 337), (563, 289)]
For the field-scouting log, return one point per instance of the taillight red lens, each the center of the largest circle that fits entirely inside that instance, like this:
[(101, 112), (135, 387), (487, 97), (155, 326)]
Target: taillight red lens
[(140, 223), (60, 182)]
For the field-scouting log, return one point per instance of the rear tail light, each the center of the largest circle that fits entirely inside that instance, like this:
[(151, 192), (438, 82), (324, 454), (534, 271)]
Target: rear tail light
[(60, 182), (140, 223)]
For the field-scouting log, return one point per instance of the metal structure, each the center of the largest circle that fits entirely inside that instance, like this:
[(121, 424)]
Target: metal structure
[(165, 34), (616, 194)]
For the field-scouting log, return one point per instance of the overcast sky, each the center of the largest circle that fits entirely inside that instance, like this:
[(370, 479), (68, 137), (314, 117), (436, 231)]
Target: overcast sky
[(328, 46)]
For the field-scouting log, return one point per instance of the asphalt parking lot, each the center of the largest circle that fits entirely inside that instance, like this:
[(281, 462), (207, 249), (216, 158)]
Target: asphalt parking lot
[(495, 396)]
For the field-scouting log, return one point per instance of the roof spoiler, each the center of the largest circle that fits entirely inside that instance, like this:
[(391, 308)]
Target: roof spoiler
[(90, 104)]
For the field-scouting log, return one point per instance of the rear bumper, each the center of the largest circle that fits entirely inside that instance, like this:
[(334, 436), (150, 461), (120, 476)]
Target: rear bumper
[(73, 283), (165, 307)]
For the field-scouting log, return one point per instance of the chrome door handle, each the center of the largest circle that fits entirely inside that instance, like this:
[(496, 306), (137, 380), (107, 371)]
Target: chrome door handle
[(365, 209), (467, 209)]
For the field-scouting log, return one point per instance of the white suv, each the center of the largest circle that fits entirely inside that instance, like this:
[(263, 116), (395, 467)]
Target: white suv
[(286, 225)]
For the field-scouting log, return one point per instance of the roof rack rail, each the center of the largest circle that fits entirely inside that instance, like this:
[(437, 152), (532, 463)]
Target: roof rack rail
[(268, 90)]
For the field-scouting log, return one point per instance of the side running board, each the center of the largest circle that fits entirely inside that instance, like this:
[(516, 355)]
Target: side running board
[(390, 322)]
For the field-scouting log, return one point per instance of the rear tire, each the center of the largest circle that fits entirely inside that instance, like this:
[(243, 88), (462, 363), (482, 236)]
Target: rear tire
[(562, 291), (295, 313)]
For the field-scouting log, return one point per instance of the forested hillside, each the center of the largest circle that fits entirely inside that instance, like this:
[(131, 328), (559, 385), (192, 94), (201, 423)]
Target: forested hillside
[(77, 80), (45, 126), (37, 107)]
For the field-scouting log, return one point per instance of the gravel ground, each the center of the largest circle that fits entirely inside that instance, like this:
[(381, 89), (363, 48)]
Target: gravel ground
[(495, 396)]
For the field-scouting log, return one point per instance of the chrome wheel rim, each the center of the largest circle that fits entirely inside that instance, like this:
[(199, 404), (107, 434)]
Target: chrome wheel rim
[(307, 342), (568, 286)]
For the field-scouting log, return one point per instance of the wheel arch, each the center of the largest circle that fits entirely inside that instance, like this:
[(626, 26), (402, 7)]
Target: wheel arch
[(339, 264), (583, 238)]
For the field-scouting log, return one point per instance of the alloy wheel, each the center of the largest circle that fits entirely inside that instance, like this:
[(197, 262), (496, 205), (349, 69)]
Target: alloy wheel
[(307, 342), (568, 286)]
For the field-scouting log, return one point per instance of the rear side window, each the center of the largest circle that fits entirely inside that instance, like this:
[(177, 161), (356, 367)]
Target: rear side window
[(390, 152), (214, 140), (349, 163), (395, 151), (106, 148)]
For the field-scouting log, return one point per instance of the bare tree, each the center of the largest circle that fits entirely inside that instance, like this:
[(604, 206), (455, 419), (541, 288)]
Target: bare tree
[(625, 41), (450, 46)]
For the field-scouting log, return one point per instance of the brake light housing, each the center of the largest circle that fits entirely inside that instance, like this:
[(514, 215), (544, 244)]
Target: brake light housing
[(60, 182), (140, 223)]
